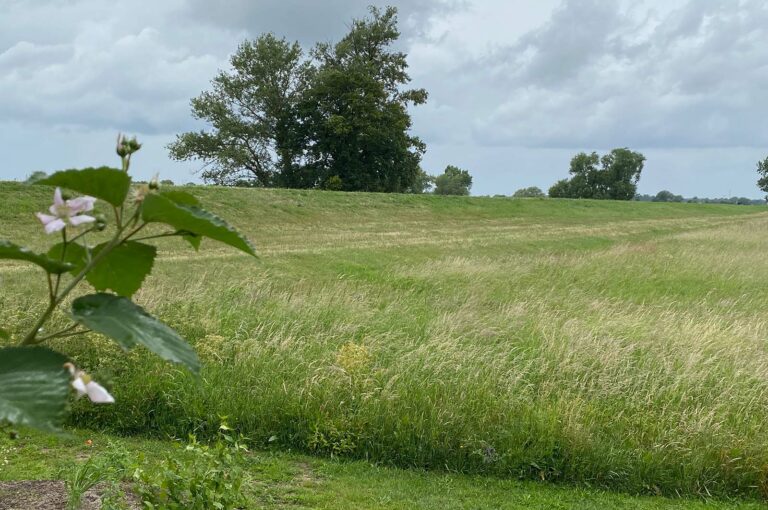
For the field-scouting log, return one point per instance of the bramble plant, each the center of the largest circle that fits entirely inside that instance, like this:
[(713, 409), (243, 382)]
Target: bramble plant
[(202, 477), (35, 381)]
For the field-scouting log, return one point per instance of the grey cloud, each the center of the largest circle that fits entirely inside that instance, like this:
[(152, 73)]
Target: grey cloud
[(584, 79), (108, 68), (306, 21)]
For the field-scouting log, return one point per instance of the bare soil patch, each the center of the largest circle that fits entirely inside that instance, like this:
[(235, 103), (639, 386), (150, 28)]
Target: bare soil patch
[(49, 495)]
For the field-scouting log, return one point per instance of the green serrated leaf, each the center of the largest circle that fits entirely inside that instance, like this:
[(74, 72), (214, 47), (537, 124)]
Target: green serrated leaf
[(108, 184), (34, 386), (161, 209), (181, 197), (75, 256), (194, 240), (123, 270), (184, 198), (10, 251), (128, 324)]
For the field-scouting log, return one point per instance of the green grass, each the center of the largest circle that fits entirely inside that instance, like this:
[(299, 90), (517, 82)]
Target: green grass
[(280, 480), (612, 345)]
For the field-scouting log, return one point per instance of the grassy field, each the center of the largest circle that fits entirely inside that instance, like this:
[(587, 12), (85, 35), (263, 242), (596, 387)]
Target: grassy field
[(289, 481), (613, 345)]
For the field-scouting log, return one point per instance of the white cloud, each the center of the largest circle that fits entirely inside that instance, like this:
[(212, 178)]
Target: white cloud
[(603, 75), (516, 86)]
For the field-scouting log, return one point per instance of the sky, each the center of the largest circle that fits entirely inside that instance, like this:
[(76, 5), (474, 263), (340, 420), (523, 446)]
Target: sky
[(516, 87)]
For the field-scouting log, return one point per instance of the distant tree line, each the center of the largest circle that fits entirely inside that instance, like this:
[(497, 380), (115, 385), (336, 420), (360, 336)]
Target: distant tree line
[(668, 196)]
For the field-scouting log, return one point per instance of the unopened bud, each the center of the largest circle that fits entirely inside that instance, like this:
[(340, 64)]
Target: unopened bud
[(101, 222), (126, 147), (133, 144), (121, 148)]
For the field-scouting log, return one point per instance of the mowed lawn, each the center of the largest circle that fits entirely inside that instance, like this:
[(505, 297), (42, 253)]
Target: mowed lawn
[(603, 344)]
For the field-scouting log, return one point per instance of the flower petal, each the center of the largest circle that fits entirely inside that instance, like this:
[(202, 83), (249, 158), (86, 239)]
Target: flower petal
[(57, 199), (81, 204), (79, 386), (98, 394), (45, 218), (54, 226), (80, 219)]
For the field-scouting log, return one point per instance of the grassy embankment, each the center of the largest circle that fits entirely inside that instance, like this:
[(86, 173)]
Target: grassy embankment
[(619, 345)]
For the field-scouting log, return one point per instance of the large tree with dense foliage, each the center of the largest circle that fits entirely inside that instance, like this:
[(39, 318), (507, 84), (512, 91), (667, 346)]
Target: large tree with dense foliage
[(336, 119), (613, 176), (252, 112), (454, 181), (355, 114)]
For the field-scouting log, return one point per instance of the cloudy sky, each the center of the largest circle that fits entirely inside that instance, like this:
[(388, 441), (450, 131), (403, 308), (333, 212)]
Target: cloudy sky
[(516, 86)]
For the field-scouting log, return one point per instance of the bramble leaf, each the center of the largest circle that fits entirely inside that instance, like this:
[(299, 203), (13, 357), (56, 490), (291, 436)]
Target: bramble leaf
[(10, 251), (184, 198), (128, 324), (181, 197), (161, 208), (122, 270), (108, 184), (34, 386), (75, 256)]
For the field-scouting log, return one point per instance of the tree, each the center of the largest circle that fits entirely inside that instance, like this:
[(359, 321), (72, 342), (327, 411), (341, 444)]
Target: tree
[(355, 113), (560, 189), (335, 119), (36, 176), (762, 170), (667, 196), (454, 181), (613, 176), (422, 184), (252, 111), (532, 192)]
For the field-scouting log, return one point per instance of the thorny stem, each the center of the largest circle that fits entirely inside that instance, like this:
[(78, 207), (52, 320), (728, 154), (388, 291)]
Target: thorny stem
[(62, 333), (63, 256), (57, 298)]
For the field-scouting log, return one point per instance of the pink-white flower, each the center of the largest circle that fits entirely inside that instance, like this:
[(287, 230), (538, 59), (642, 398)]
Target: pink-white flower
[(84, 385), (66, 211)]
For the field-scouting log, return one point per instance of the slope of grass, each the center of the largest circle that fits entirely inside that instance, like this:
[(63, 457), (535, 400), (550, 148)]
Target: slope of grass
[(617, 345)]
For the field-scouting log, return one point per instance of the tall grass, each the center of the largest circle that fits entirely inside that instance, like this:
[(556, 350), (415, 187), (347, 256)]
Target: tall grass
[(616, 344)]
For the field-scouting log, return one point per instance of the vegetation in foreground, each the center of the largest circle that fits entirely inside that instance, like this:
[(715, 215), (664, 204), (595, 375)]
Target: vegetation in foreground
[(274, 479), (610, 344)]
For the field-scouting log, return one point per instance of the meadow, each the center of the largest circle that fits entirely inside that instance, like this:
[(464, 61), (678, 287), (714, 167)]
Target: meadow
[(616, 345)]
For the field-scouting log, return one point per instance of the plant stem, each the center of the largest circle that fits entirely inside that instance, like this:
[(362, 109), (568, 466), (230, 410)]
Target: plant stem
[(56, 298), (31, 336), (62, 333)]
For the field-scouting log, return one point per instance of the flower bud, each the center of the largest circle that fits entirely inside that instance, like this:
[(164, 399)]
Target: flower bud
[(101, 223), (154, 183), (121, 148), (126, 147), (133, 145)]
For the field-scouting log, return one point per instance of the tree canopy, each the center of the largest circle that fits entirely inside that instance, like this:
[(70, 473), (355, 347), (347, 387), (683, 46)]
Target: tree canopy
[(762, 170), (335, 118), (613, 176), (530, 192), (667, 196), (454, 181)]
